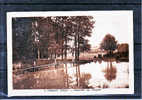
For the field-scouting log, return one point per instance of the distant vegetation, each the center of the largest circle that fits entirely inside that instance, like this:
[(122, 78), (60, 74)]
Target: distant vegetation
[(109, 43), (115, 50)]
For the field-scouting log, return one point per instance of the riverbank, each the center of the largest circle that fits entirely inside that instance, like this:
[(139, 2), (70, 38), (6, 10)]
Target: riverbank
[(82, 60)]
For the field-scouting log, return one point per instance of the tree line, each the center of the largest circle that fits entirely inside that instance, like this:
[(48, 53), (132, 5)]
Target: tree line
[(110, 44), (51, 37)]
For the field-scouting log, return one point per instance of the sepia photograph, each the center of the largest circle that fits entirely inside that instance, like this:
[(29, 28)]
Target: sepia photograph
[(70, 53)]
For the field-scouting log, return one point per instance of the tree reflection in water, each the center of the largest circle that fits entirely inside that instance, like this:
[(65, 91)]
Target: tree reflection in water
[(100, 61), (84, 80), (110, 72), (69, 76)]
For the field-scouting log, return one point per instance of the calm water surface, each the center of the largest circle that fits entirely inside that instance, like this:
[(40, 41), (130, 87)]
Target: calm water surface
[(92, 75), (116, 76)]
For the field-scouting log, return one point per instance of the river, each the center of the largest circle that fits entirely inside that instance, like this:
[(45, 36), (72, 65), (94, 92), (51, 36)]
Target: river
[(90, 75), (102, 74)]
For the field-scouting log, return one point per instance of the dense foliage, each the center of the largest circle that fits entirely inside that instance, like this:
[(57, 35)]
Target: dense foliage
[(50, 37), (109, 43)]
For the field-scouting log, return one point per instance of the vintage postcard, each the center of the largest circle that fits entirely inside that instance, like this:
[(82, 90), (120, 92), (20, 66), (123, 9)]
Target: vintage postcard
[(70, 53)]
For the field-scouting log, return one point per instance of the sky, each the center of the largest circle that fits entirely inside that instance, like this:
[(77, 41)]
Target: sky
[(115, 22), (118, 24)]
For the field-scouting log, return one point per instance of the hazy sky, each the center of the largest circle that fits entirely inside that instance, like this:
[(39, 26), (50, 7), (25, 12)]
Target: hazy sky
[(119, 24)]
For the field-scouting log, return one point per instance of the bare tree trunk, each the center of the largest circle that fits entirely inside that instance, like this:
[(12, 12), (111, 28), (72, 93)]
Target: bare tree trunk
[(75, 43), (62, 45), (55, 55), (78, 54), (51, 55), (62, 51), (47, 44), (38, 52), (66, 46), (76, 60)]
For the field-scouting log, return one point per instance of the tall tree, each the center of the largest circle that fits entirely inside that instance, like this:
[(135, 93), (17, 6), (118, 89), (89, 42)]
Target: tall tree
[(81, 28), (109, 43), (22, 39)]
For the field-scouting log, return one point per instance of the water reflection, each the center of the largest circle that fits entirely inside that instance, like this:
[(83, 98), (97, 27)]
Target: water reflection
[(84, 80), (74, 76), (110, 72), (104, 74)]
